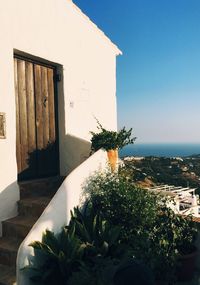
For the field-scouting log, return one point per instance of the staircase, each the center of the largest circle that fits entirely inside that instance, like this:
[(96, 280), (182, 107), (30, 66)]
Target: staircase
[(34, 197)]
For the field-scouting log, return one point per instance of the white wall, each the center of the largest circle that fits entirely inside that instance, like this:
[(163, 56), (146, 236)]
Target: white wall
[(9, 192), (55, 30)]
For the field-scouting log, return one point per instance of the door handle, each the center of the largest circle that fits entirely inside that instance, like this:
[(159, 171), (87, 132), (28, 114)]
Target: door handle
[(45, 101)]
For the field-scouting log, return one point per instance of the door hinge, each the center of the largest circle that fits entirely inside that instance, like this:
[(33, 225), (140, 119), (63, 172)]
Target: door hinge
[(58, 77)]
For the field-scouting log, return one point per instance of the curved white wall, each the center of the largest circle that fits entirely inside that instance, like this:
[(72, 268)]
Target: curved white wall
[(57, 213)]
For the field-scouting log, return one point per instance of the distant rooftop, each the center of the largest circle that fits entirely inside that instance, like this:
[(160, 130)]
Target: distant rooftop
[(186, 202), (173, 189)]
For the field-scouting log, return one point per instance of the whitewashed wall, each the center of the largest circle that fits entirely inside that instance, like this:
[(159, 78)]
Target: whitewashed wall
[(57, 31)]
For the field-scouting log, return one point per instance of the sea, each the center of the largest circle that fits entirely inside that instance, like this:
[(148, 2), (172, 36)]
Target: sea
[(161, 149)]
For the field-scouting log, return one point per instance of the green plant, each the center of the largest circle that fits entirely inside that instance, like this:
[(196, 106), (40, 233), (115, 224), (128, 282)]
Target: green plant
[(179, 232), (56, 257), (110, 139), (87, 251), (97, 234), (121, 203), (187, 235), (156, 235), (172, 236), (100, 272), (163, 249)]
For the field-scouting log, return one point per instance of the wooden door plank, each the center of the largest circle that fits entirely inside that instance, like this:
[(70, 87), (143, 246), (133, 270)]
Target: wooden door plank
[(30, 107), (32, 170), (22, 114), (45, 106), (52, 127), (48, 156), (18, 147), (39, 108)]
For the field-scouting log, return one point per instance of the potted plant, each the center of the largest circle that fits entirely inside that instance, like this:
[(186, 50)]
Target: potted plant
[(111, 141)]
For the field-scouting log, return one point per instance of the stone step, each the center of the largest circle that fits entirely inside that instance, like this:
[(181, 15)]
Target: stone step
[(35, 196), (33, 206), (8, 251), (7, 275), (40, 187), (18, 227)]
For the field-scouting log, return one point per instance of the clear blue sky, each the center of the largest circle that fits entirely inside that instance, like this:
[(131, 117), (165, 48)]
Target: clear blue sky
[(158, 76)]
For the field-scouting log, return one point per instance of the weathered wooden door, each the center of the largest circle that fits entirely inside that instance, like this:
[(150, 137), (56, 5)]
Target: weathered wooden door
[(36, 120)]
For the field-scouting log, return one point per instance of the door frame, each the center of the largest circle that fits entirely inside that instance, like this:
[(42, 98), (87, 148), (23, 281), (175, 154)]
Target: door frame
[(46, 63)]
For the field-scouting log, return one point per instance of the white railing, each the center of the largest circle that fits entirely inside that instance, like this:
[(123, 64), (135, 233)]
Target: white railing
[(57, 213)]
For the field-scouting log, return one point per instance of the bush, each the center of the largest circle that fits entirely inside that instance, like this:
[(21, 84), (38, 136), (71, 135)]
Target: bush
[(131, 208), (122, 204), (153, 231)]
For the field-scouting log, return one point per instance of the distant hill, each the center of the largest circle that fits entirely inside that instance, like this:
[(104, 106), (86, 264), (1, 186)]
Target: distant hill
[(176, 171), (193, 156)]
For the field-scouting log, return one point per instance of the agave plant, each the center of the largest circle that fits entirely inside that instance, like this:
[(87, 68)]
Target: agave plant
[(87, 251), (99, 236), (56, 257)]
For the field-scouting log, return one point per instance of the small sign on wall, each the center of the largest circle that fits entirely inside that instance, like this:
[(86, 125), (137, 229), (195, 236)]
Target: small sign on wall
[(2, 125)]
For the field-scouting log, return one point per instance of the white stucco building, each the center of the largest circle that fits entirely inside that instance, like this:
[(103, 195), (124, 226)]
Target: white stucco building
[(58, 72)]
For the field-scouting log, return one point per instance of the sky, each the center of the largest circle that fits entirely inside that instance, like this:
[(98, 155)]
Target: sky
[(158, 75)]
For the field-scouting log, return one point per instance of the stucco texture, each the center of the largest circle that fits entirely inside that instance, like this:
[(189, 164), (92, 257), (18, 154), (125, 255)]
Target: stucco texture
[(56, 31)]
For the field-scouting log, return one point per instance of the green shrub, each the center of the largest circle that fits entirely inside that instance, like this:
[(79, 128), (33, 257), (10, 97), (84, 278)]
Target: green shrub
[(154, 232), (87, 251), (172, 236), (122, 204)]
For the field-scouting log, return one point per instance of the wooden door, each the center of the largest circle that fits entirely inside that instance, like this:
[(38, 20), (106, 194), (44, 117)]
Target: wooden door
[(36, 120)]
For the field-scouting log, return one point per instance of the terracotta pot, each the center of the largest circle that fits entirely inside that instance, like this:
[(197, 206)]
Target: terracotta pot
[(113, 158), (187, 263)]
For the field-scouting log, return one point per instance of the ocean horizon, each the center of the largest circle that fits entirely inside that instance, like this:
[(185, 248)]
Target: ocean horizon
[(161, 149)]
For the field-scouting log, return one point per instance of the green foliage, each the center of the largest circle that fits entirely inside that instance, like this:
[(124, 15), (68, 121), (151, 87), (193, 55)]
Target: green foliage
[(55, 257), (172, 237), (123, 204), (100, 272), (88, 251), (184, 230), (119, 222), (99, 237), (156, 235), (110, 139)]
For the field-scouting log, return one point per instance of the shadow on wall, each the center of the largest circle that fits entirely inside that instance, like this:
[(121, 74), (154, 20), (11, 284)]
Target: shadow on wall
[(75, 152), (45, 162), (41, 163), (8, 202)]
